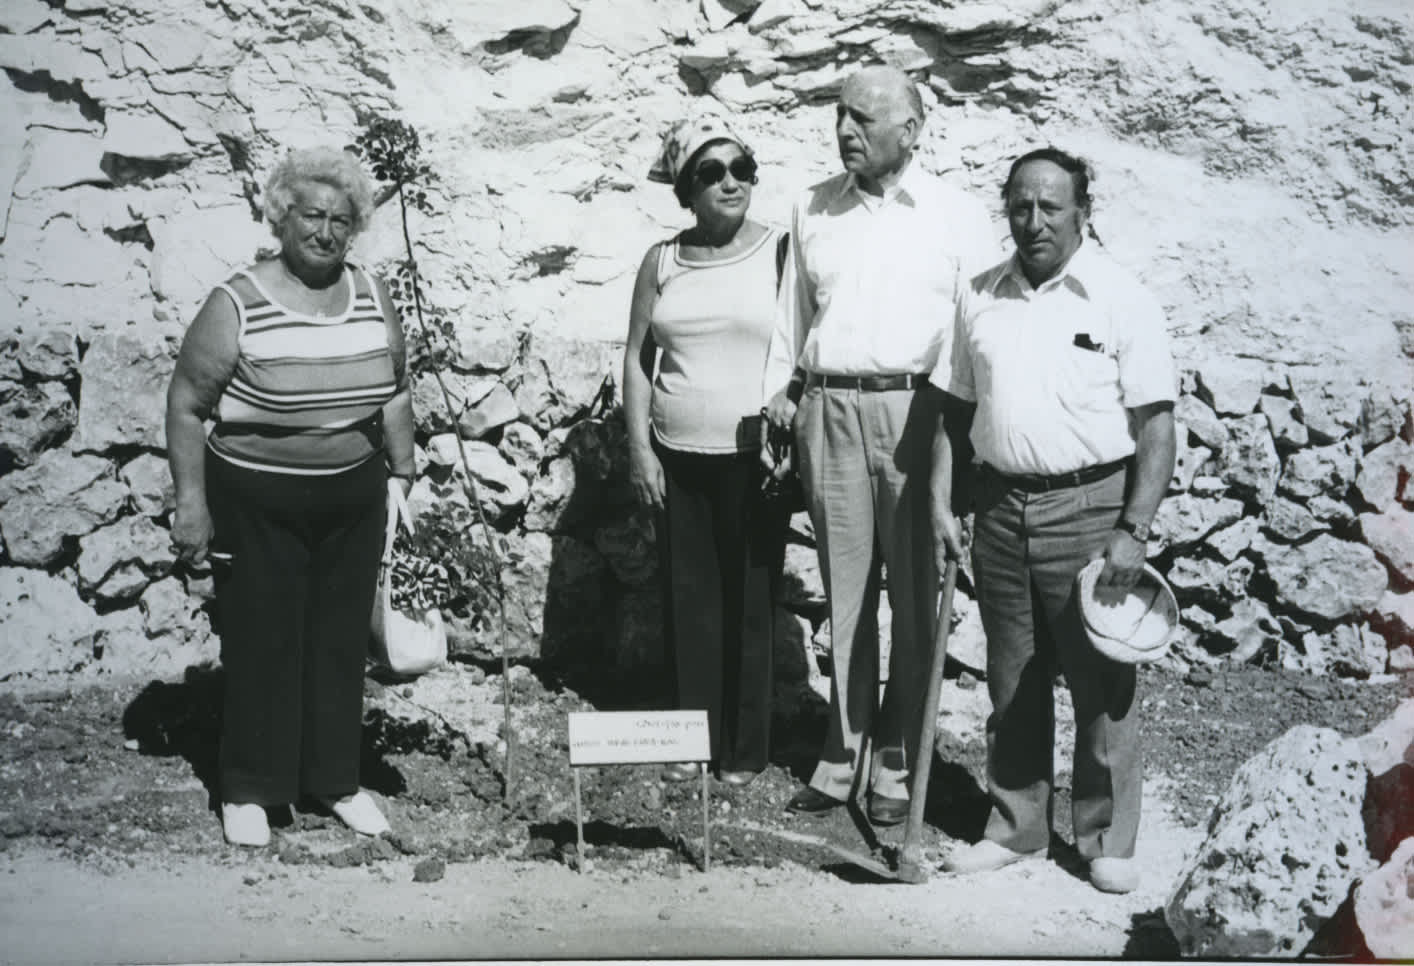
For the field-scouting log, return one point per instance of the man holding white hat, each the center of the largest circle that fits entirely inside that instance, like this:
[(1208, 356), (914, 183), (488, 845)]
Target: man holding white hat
[(1062, 380)]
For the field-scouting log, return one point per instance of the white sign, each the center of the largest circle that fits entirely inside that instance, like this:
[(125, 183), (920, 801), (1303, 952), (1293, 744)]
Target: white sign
[(634, 737)]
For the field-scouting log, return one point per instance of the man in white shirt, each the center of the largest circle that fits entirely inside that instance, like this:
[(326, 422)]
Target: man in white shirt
[(1062, 369), (865, 310)]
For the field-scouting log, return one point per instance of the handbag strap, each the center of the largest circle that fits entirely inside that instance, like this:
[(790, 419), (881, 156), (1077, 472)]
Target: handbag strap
[(398, 515)]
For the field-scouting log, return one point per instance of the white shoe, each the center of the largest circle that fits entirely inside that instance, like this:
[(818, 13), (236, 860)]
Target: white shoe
[(245, 824), (359, 812), (985, 856), (1110, 874)]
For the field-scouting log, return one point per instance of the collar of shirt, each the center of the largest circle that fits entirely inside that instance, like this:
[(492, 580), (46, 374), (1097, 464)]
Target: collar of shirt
[(1079, 275), (909, 188)]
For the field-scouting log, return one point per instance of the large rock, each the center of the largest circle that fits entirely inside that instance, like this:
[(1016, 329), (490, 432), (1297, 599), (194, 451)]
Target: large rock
[(499, 487), (1356, 651), (1284, 845), (1389, 756), (430, 406), (1249, 461), (1201, 422), (1320, 471), (1383, 907), (802, 588), (492, 411), (167, 608), (119, 561), (484, 350), (1187, 462), (1233, 386), (44, 626), (127, 650), (1330, 406), (1249, 632), (523, 448), (34, 419), (195, 249), (551, 506), (562, 378), (1185, 519), (59, 496), (123, 401), (1289, 521), (47, 353), (1395, 613), (1230, 542), (1391, 536), (967, 641), (1284, 418), (150, 489), (1384, 474), (1382, 416), (1326, 577), (1209, 580)]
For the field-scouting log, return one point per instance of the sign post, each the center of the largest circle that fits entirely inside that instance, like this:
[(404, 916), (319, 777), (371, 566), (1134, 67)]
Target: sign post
[(635, 738)]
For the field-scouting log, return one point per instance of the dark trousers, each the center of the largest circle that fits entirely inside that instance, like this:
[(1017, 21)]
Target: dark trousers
[(720, 551), (1027, 550), (293, 611)]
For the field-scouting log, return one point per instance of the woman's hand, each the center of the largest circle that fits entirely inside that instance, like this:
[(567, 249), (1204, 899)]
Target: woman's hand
[(645, 474), (776, 420), (191, 531)]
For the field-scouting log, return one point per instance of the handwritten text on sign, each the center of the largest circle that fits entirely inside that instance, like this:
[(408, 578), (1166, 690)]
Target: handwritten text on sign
[(628, 737)]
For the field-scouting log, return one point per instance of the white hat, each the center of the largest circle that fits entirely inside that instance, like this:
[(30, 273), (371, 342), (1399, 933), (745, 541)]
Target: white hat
[(1134, 629)]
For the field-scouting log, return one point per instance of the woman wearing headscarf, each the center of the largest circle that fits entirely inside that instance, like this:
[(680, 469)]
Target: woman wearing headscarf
[(299, 360), (701, 318)]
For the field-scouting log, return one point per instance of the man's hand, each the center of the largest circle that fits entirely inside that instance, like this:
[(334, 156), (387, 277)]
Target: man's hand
[(1124, 562), (947, 537), (645, 474)]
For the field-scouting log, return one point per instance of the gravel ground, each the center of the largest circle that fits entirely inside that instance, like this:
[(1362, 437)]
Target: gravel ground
[(123, 777)]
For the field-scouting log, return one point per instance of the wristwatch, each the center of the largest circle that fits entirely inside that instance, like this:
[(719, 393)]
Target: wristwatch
[(1139, 531)]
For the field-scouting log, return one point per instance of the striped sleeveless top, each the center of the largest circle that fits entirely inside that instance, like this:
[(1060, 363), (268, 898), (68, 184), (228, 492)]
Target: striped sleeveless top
[(307, 393)]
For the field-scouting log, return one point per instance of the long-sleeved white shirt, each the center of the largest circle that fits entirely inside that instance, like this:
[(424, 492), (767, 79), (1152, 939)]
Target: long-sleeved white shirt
[(870, 284)]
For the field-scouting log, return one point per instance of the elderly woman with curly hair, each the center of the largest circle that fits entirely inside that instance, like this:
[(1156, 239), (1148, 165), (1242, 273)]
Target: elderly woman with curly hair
[(299, 361)]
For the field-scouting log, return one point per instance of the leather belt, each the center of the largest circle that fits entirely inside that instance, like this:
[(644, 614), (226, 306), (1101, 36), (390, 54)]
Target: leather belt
[(1041, 483), (891, 383)]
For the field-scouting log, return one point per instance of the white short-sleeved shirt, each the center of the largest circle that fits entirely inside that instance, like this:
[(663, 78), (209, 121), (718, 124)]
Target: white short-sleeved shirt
[(1054, 370)]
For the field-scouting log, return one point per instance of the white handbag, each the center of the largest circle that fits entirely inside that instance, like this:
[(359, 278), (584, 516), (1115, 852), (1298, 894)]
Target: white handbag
[(406, 643)]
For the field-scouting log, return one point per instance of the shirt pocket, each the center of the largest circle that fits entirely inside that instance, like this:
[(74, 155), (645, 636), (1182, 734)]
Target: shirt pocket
[(1089, 380)]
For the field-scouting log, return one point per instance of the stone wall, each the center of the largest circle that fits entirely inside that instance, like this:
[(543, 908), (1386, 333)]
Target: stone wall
[(1253, 167)]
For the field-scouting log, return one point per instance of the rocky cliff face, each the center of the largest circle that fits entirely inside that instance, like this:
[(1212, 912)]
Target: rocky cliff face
[(1253, 167)]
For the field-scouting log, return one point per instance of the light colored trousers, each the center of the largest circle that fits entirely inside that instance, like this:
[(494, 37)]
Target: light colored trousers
[(1027, 550), (864, 463)]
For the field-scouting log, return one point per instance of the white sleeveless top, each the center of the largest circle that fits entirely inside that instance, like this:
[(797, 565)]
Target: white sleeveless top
[(713, 322)]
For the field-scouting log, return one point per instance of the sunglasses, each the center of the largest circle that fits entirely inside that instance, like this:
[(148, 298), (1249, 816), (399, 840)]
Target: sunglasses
[(711, 171)]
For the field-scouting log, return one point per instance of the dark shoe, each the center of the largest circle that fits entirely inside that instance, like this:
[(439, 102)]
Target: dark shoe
[(680, 771), (809, 801), (740, 779), (886, 811)]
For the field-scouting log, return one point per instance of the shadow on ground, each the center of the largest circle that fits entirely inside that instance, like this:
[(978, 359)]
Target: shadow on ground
[(183, 719), (1150, 937)]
